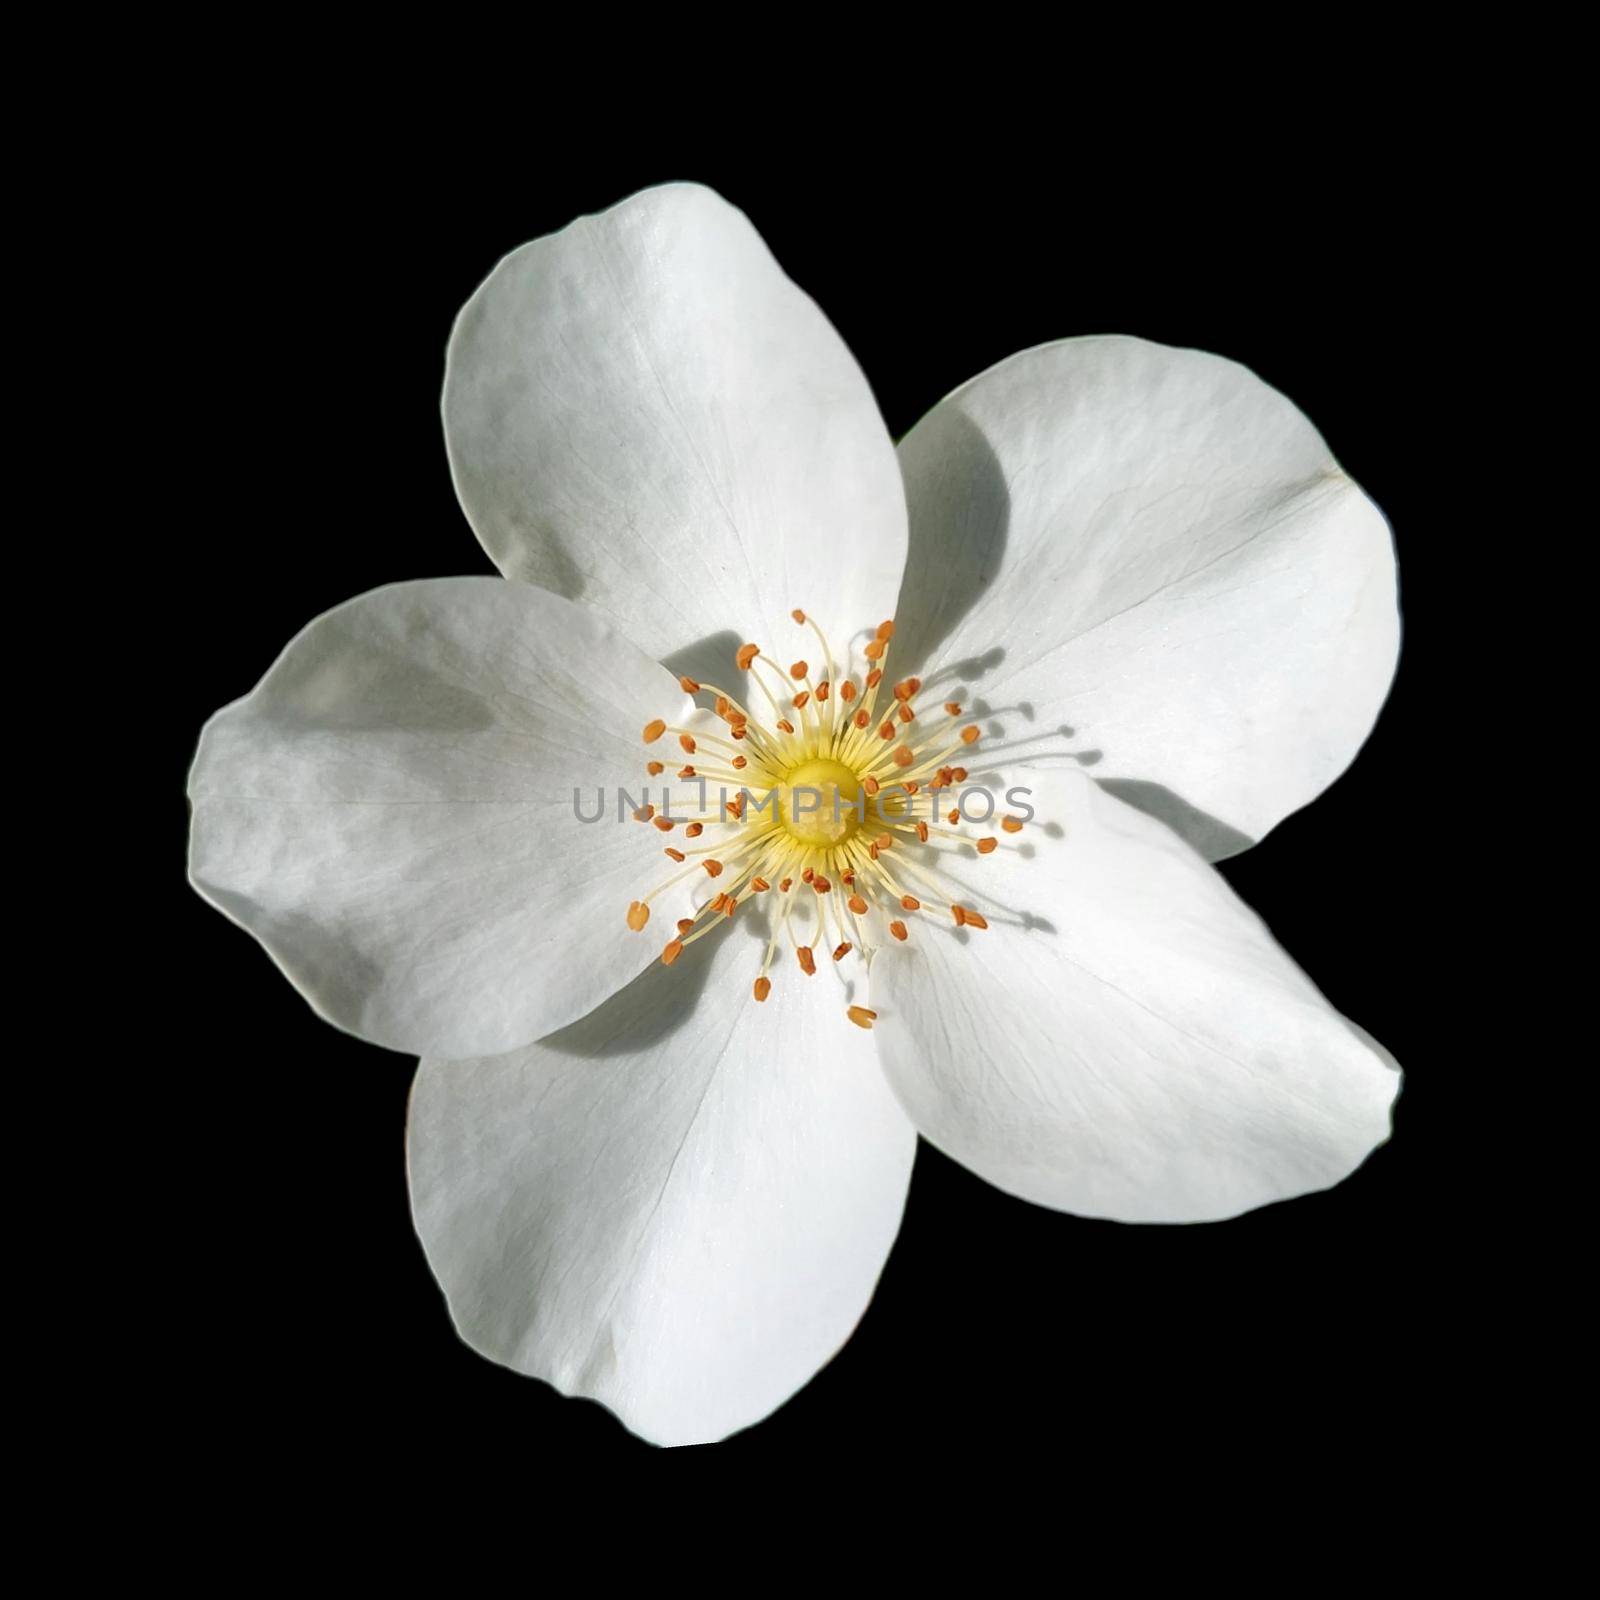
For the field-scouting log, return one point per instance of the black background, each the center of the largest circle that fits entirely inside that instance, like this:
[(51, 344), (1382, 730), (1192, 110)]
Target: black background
[(322, 285)]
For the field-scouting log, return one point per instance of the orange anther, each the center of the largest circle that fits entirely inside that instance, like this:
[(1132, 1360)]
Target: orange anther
[(959, 774), (730, 904), (858, 905), (762, 988), (953, 707), (808, 963), (954, 816), (898, 929), (688, 685), (903, 756), (870, 785), (886, 630), (847, 691), (654, 730), (654, 768), (685, 924), (875, 677), (985, 846), (808, 875), (822, 691), (872, 850), (783, 888), (677, 855), (740, 763), (906, 713), (694, 830), (976, 921), (969, 734), (861, 1016), (841, 951), (862, 719), (665, 824), (785, 725), (885, 842), (672, 952), (638, 914), (848, 876), (737, 733), (821, 884), (906, 688), (747, 653), (874, 651), (687, 741), (887, 730), (798, 615), (908, 903), (685, 772), (760, 885), (922, 831), (1011, 824), (798, 670), (644, 813), (801, 698), (712, 866), (910, 788)]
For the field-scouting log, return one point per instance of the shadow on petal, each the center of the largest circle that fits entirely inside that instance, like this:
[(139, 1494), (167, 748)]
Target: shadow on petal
[(1215, 840), (947, 456), (707, 660), (655, 1005)]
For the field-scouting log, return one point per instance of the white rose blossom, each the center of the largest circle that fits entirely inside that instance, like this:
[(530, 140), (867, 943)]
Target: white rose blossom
[(673, 1068)]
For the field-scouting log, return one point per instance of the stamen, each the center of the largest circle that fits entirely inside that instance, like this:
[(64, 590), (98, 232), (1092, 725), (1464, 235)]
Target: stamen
[(851, 759)]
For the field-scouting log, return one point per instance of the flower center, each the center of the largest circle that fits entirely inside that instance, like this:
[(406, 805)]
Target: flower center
[(838, 812), (820, 802)]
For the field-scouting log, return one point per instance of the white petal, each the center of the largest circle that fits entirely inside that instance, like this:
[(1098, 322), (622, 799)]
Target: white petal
[(1183, 588), (680, 1205), (390, 812), (644, 413), (1125, 1040)]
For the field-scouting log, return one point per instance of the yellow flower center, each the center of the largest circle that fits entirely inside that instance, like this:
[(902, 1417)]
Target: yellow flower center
[(837, 810), (820, 802)]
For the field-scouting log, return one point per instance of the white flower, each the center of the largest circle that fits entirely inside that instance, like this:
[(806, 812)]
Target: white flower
[(659, 1184)]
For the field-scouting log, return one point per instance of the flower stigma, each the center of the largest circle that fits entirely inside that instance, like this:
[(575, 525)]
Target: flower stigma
[(838, 811)]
